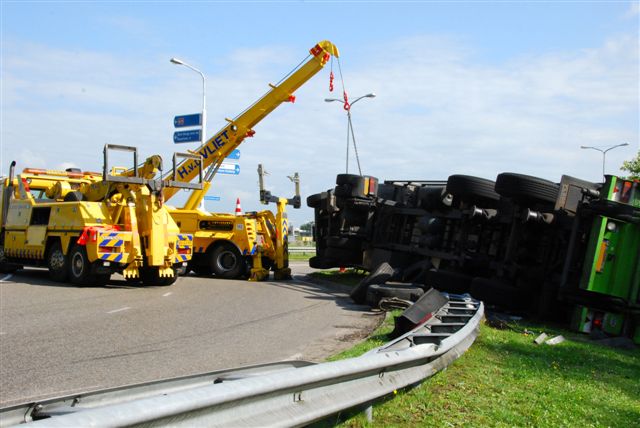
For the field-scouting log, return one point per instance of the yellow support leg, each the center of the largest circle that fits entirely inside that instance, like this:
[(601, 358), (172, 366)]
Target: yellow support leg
[(258, 272)]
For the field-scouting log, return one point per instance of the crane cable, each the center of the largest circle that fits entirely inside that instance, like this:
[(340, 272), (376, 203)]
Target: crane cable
[(347, 107)]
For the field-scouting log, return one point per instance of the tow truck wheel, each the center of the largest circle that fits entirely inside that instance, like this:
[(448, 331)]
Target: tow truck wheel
[(57, 263), (79, 266), (6, 267), (226, 261)]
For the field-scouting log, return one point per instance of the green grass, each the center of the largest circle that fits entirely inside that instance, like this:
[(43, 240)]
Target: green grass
[(302, 256), (505, 380), (348, 277)]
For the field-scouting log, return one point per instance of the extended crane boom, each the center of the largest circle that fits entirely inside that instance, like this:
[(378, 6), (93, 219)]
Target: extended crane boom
[(218, 147)]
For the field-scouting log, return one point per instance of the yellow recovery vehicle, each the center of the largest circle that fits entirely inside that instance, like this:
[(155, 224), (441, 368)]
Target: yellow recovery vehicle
[(232, 246), (84, 226)]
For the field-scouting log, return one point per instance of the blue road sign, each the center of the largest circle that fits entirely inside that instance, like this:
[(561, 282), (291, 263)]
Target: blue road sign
[(234, 154), (187, 120), (229, 168), (187, 136), (212, 198)]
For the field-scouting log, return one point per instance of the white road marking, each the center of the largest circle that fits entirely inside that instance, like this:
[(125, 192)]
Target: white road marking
[(2, 333), (167, 294), (6, 278), (119, 310)]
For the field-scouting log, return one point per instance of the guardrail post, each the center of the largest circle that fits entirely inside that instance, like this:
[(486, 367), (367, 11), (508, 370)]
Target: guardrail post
[(368, 412)]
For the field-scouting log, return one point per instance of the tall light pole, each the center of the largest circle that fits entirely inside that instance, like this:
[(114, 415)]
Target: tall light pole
[(604, 151), (203, 137), (347, 107)]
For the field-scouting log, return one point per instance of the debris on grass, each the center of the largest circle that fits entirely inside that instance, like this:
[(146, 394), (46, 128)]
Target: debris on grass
[(540, 339), (555, 340)]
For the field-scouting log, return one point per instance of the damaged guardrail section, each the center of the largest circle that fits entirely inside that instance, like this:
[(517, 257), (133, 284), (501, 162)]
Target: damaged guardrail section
[(288, 394)]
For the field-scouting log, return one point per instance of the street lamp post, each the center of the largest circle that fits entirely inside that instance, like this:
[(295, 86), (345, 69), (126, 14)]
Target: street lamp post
[(604, 151), (203, 137), (350, 127)]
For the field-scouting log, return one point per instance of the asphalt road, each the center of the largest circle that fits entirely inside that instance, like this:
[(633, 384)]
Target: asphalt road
[(57, 339)]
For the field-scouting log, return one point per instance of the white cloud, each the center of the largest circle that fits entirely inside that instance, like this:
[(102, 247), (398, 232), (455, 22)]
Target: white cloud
[(439, 111), (634, 9)]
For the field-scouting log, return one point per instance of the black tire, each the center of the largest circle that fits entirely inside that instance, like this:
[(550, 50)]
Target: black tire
[(473, 190), (350, 186), (74, 196), (318, 262), (450, 282), (377, 292), (79, 266), (314, 201), (350, 179), (5, 266), (226, 261), (526, 188), (57, 263)]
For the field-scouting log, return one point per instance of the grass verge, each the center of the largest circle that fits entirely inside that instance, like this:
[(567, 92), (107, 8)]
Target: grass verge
[(504, 379), (302, 256)]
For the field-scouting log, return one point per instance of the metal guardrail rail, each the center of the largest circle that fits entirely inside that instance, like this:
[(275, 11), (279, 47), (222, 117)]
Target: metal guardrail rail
[(302, 249), (282, 394)]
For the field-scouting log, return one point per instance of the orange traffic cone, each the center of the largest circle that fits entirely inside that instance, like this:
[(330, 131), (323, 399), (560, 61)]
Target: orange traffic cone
[(238, 207)]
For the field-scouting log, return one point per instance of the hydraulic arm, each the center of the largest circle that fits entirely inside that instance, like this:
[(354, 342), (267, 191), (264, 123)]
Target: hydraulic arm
[(218, 147)]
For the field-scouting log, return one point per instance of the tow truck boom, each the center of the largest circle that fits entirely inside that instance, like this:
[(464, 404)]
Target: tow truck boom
[(218, 147)]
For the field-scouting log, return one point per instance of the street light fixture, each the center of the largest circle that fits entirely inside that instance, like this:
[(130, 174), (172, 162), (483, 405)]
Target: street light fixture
[(347, 107), (177, 61), (604, 151)]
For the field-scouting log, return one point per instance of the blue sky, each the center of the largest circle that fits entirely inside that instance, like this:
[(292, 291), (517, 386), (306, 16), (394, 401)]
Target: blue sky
[(463, 87)]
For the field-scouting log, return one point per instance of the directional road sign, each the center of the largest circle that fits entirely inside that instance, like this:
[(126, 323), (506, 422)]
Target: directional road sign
[(187, 120), (212, 198), (187, 136), (234, 154), (229, 168)]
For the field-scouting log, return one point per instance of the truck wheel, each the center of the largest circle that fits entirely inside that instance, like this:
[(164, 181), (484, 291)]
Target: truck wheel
[(526, 188), (5, 266), (57, 263), (226, 261), (79, 266), (473, 190), (314, 201)]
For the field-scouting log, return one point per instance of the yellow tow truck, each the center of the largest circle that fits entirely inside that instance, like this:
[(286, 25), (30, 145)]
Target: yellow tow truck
[(85, 226), (232, 246)]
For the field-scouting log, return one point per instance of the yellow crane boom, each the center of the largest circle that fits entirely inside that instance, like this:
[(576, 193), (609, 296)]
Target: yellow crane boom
[(218, 147)]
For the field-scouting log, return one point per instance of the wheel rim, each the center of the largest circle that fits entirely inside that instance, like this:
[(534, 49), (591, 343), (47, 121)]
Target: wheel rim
[(56, 261), (77, 265), (226, 261)]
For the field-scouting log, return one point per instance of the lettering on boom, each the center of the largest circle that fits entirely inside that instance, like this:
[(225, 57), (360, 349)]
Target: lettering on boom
[(214, 144)]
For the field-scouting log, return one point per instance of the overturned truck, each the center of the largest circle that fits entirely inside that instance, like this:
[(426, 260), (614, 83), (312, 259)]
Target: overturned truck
[(567, 251)]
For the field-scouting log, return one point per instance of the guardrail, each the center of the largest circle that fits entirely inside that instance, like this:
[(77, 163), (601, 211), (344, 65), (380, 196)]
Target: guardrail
[(284, 394), (302, 249)]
